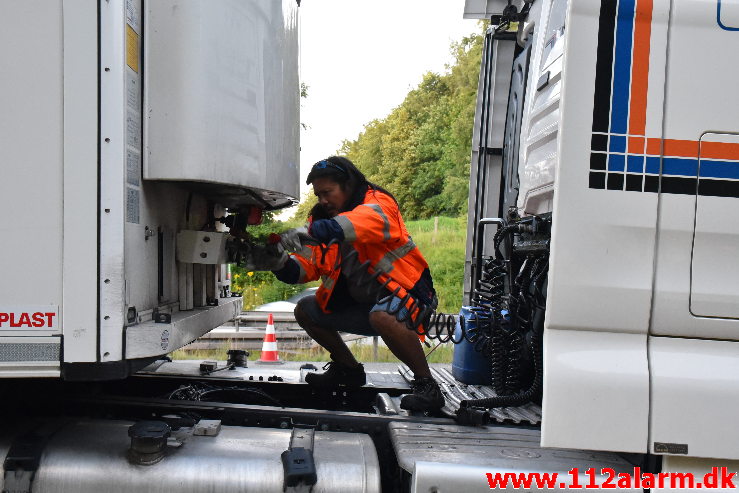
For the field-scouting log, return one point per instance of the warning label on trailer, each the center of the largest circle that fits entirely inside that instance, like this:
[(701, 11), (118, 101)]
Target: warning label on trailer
[(132, 49), (132, 205), (42, 318), (133, 167)]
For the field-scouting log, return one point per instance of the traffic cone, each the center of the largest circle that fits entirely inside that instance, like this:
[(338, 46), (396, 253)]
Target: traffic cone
[(269, 345)]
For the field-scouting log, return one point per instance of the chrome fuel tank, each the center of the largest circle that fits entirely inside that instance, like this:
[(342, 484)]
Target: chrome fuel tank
[(93, 456)]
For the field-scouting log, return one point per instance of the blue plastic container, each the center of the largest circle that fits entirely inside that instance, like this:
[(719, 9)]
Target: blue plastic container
[(470, 366)]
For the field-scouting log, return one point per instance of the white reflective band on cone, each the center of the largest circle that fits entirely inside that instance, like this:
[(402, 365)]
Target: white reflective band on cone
[(269, 346)]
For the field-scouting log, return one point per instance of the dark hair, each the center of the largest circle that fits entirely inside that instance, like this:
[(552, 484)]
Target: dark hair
[(318, 212), (342, 171)]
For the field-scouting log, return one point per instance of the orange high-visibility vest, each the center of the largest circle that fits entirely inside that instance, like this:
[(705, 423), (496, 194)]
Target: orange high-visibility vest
[(375, 229)]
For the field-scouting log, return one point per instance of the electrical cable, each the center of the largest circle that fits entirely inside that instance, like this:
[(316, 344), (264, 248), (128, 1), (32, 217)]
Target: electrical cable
[(516, 309), (199, 392)]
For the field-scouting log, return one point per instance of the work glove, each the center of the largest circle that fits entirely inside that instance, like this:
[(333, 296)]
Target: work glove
[(265, 257), (293, 240)]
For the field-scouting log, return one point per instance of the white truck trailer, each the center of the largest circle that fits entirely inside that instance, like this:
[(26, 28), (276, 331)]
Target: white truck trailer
[(127, 130), (605, 151)]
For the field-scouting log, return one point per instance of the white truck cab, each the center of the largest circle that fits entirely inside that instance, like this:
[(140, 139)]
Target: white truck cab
[(620, 129)]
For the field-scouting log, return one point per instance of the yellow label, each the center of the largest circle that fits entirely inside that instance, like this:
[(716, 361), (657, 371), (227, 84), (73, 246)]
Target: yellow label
[(132, 48)]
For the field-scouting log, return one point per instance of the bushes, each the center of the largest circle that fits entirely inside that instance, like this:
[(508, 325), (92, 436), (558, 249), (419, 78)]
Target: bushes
[(420, 152)]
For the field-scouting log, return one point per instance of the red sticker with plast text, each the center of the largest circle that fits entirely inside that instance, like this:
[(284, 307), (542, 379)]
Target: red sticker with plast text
[(26, 318)]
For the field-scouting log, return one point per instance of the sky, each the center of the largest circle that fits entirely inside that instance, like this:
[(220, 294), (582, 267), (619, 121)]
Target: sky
[(360, 58)]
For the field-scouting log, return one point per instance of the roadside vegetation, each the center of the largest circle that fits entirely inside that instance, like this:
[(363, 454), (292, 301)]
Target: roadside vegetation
[(362, 351)]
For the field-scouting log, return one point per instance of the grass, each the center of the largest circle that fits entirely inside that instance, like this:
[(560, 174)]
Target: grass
[(445, 252), (363, 352)]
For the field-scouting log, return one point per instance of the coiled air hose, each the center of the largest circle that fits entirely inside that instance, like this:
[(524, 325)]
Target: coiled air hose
[(523, 397), (514, 315)]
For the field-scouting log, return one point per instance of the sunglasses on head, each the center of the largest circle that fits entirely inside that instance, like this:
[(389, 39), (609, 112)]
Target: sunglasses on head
[(325, 163)]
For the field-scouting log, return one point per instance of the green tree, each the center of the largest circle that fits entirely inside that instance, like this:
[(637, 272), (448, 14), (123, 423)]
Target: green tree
[(420, 151)]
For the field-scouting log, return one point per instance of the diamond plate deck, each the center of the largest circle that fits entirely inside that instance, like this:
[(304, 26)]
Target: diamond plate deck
[(455, 392)]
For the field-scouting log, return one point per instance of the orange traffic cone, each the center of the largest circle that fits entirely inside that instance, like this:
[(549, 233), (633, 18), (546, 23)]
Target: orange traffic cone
[(269, 345)]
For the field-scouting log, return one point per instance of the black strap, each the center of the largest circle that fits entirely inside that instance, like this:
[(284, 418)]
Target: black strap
[(24, 456), (297, 461)]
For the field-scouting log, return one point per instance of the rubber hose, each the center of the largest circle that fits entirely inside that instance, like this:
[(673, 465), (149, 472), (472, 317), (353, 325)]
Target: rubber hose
[(524, 397)]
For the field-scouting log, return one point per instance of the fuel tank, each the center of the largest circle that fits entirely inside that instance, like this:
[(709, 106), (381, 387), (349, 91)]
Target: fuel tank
[(94, 456)]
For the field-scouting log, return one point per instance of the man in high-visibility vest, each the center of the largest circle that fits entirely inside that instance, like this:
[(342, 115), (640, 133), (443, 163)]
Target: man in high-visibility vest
[(374, 279)]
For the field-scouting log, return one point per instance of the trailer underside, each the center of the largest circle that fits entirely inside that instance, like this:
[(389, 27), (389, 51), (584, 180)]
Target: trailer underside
[(413, 449)]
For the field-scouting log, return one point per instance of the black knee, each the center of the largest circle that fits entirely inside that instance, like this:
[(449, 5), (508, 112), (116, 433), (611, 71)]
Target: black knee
[(376, 319), (302, 312)]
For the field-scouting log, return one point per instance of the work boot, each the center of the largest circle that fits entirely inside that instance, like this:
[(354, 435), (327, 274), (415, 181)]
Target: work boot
[(337, 375), (426, 396)]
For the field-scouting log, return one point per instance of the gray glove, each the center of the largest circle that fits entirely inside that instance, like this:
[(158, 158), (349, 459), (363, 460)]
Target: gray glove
[(293, 240), (263, 258)]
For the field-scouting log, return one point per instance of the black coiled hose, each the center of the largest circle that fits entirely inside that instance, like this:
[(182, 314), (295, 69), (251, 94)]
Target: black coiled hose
[(532, 393), (514, 348), (498, 362), (516, 313)]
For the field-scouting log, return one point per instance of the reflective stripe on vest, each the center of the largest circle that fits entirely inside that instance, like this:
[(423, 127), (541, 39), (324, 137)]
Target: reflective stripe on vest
[(302, 275), (386, 227), (386, 264), (347, 227), (329, 283)]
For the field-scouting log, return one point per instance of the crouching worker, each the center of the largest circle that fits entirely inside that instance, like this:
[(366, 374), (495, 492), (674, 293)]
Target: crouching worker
[(354, 222)]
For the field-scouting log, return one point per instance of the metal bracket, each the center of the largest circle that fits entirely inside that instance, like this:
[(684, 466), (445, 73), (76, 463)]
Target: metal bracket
[(472, 416), (543, 81), (297, 461), (491, 151), (479, 244), (161, 317)]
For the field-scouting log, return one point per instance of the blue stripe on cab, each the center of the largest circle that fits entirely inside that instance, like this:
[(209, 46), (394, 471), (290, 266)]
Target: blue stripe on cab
[(616, 162), (622, 66), (719, 169), (679, 167), (653, 165), (635, 164), (618, 143)]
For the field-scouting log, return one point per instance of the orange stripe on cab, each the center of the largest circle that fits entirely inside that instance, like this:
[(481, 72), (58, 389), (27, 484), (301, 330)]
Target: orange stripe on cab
[(640, 67), (723, 151), (654, 147), (681, 148), (636, 145)]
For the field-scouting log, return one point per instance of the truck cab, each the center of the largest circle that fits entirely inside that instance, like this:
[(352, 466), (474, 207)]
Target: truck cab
[(609, 121)]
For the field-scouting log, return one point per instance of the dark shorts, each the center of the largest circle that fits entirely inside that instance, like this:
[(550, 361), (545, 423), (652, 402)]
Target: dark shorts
[(353, 319)]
